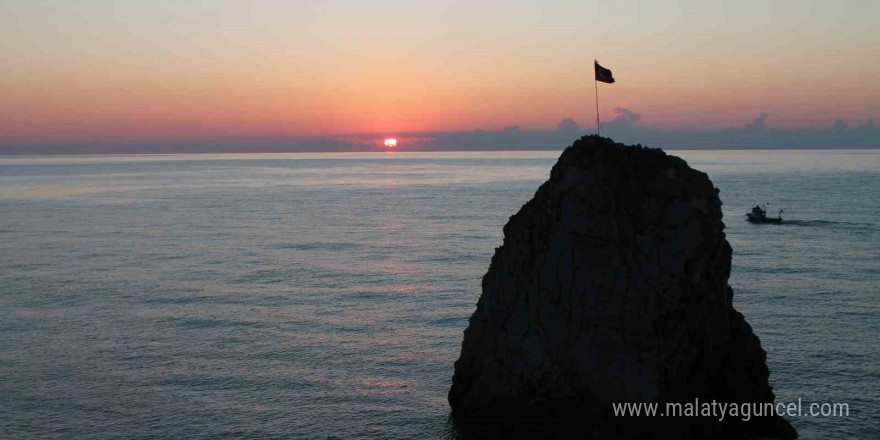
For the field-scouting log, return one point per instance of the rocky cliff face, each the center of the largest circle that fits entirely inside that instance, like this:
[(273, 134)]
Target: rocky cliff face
[(611, 286)]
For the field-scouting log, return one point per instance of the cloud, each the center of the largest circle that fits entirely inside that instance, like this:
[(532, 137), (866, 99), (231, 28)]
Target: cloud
[(626, 118), (759, 124), (624, 128), (568, 125)]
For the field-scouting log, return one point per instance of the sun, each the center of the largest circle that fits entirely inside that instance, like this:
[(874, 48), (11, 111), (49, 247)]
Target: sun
[(390, 142)]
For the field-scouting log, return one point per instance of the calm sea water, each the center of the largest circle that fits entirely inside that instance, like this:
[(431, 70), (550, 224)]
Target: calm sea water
[(324, 296)]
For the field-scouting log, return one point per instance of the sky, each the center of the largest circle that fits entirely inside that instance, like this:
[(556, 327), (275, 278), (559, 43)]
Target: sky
[(100, 75)]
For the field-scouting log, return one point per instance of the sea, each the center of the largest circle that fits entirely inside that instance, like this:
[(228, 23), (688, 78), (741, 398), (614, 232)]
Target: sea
[(323, 296)]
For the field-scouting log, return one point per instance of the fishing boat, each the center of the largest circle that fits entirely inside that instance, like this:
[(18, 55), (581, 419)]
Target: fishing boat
[(759, 215)]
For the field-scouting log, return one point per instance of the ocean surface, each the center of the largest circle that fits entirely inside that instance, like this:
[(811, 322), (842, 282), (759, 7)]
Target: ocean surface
[(323, 296)]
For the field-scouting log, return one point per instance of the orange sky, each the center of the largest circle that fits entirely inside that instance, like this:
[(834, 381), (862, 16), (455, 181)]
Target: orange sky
[(97, 69)]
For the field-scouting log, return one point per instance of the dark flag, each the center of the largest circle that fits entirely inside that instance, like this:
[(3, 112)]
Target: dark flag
[(603, 74)]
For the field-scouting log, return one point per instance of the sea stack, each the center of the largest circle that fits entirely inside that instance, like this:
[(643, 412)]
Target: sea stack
[(611, 287)]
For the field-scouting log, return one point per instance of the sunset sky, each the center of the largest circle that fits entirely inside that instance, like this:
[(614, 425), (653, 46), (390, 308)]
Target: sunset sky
[(77, 70)]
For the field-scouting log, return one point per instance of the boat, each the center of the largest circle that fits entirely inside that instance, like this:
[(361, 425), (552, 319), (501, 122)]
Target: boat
[(759, 215)]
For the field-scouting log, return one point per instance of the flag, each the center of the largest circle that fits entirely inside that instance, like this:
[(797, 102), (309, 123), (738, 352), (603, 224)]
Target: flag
[(603, 74)]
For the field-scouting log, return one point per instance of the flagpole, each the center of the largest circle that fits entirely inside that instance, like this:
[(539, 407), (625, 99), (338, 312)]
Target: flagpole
[(596, 84)]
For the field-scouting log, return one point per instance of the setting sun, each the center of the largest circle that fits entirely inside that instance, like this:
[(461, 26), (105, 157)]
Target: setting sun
[(391, 143)]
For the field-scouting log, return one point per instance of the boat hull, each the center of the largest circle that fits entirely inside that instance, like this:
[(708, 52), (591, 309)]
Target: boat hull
[(756, 219)]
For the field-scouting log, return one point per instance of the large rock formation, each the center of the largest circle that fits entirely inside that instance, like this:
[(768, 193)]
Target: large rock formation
[(611, 286)]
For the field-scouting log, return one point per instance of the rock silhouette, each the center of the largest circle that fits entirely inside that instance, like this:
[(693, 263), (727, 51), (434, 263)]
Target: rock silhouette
[(611, 286)]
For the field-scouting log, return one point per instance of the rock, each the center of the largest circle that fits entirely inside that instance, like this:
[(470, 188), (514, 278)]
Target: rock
[(611, 286)]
